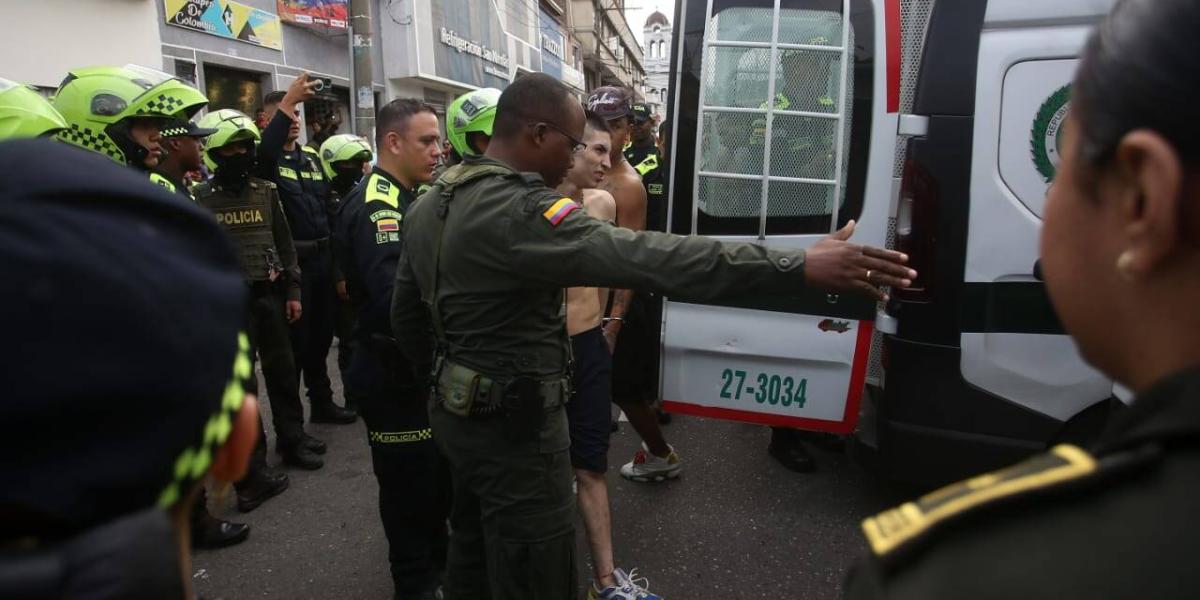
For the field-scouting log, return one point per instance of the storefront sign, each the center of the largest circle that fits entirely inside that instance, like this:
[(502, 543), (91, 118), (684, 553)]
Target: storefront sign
[(553, 46), (573, 77), (227, 19), (470, 43), (327, 14)]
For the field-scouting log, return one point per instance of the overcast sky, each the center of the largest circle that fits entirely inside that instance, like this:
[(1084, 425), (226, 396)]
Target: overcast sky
[(636, 12)]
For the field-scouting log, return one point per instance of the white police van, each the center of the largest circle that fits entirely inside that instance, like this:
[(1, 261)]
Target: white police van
[(934, 125)]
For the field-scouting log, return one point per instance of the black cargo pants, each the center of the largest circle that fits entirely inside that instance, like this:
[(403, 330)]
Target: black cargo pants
[(513, 517), (414, 484), (270, 341), (312, 335)]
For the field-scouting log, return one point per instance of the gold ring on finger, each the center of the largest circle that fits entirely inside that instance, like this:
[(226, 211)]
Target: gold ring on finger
[(869, 271)]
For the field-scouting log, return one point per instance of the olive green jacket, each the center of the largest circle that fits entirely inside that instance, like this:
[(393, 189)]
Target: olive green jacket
[(510, 245)]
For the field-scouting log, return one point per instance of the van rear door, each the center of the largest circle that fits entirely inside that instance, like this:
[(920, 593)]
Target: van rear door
[(784, 121), (1012, 344)]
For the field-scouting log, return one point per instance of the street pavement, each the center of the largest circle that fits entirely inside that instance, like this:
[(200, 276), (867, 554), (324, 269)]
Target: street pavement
[(734, 526)]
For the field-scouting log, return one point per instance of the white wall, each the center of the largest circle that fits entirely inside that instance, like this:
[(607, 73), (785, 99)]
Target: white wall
[(43, 40)]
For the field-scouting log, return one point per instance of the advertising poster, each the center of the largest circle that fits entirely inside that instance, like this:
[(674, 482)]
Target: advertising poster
[(469, 43), (326, 14), (227, 19)]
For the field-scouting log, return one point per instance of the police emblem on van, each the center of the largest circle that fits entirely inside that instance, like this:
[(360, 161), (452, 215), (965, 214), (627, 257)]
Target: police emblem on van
[(1046, 136), (831, 325)]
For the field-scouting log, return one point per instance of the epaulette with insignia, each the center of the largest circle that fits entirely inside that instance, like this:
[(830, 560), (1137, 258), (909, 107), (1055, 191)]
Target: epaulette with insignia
[(913, 522)]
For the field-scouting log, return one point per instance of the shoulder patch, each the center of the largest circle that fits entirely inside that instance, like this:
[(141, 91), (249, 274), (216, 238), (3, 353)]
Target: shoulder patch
[(892, 529), (385, 214), (559, 211), (381, 190)]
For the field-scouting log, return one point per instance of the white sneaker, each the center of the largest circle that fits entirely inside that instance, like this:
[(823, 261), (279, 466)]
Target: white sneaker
[(646, 467), (625, 589)]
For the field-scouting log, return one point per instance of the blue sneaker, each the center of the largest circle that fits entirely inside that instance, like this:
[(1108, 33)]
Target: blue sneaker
[(625, 589)]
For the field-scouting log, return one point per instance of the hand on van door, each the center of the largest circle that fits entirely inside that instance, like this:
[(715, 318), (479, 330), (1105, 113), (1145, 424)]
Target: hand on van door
[(836, 265)]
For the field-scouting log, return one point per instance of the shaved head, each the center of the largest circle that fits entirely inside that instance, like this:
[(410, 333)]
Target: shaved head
[(532, 98)]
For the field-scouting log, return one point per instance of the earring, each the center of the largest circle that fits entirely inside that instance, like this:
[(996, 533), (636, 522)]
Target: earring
[(1125, 265)]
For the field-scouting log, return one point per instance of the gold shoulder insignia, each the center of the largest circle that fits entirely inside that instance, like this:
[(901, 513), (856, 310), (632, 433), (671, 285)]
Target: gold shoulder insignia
[(893, 528)]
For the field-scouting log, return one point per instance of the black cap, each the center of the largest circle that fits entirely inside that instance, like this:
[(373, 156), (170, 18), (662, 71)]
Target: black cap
[(122, 317), (180, 128), (610, 102), (641, 112)]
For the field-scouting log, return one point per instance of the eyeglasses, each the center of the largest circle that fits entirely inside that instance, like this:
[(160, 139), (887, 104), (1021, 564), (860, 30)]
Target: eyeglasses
[(578, 145)]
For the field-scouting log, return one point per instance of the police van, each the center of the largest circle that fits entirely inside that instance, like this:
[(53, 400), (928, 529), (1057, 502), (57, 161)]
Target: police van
[(933, 124)]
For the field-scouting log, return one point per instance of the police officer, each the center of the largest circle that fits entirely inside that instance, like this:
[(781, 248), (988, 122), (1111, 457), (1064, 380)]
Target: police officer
[(120, 111), (413, 485), (344, 158), (469, 121), (802, 86), (183, 149), (642, 152), (26, 114), (99, 469), (250, 211), (1117, 519), (488, 251), (297, 174)]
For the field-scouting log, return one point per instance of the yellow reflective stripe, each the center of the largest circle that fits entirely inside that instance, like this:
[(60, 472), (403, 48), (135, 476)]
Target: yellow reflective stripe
[(288, 172), (308, 175), (381, 190)]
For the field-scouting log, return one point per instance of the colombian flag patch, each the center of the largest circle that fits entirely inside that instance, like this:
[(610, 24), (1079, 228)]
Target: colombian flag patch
[(559, 211), (387, 225)]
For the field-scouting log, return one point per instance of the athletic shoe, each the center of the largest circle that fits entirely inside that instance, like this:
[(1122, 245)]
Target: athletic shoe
[(625, 589), (646, 467)]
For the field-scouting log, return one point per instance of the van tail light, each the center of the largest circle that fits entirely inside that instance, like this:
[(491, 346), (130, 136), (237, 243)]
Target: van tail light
[(917, 229)]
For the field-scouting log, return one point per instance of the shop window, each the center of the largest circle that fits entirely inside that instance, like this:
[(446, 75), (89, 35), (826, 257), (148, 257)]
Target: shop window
[(232, 88)]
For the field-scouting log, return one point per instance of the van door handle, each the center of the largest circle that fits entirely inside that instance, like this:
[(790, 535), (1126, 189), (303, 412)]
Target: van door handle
[(1037, 270)]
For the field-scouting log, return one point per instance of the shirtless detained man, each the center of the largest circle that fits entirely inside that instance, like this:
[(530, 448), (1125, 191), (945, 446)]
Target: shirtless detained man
[(588, 413), (634, 361)]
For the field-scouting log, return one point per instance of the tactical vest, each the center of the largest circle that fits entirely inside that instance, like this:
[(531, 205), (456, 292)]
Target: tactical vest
[(248, 218)]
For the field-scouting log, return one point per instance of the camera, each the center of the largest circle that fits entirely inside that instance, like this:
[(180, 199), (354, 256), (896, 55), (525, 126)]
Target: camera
[(323, 83)]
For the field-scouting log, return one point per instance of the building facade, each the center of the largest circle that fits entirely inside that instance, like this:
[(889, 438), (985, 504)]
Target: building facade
[(657, 35), (611, 53), (236, 51)]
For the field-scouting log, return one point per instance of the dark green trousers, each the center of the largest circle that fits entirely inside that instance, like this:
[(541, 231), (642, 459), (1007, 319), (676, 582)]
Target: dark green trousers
[(513, 514)]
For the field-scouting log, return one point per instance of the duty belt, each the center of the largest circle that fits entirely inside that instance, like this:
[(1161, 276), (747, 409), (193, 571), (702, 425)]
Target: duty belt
[(311, 248), (466, 392)]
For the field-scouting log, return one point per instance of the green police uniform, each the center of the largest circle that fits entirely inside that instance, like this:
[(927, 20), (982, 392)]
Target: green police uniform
[(1117, 520), (488, 252), (256, 223)]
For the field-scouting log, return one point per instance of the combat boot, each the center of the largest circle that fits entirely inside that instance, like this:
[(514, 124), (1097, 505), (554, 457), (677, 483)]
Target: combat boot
[(211, 533), (328, 412), (313, 444), (296, 454), (259, 487)]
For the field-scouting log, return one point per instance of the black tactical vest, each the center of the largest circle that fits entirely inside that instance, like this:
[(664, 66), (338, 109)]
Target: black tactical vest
[(247, 217)]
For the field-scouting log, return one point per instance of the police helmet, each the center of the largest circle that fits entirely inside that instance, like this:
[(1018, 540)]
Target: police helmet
[(231, 127), (471, 112), (341, 147), (26, 114), (99, 102)]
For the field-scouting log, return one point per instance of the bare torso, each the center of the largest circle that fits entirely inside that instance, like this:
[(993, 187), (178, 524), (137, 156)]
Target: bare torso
[(585, 306)]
